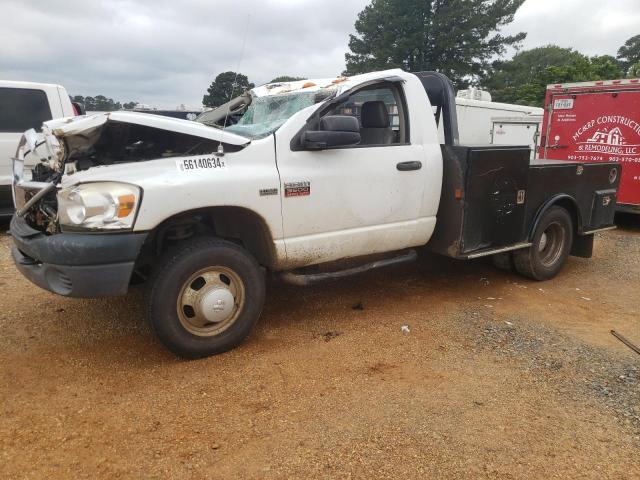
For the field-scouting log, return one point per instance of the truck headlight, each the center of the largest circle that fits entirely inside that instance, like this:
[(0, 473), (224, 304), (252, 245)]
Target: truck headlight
[(100, 206)]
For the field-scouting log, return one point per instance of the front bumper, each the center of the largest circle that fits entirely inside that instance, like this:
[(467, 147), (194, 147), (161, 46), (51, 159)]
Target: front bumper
[(76, 264)]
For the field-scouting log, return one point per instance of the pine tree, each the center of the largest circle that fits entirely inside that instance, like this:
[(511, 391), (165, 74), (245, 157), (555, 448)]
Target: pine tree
[(455, 37), (223, 88)]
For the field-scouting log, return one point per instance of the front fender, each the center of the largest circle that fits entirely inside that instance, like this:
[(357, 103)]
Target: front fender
[(249, 180)]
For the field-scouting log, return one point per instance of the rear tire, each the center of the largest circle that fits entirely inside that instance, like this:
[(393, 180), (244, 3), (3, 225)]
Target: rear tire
[(204, 297), (550, 247), (503, 261)]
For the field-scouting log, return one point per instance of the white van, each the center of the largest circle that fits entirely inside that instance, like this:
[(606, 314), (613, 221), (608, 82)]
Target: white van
[(25, 105)]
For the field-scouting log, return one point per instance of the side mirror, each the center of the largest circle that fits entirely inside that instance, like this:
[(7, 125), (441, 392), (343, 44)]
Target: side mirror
[(335, 131)]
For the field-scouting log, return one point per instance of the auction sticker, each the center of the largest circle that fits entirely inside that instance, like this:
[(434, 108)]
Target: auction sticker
[(201, 163)]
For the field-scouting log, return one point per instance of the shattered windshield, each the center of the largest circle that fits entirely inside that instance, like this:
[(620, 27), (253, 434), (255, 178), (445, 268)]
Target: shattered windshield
[(266, 114)]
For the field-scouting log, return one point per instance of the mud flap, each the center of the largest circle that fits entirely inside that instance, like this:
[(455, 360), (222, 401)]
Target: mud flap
[(582, 246)]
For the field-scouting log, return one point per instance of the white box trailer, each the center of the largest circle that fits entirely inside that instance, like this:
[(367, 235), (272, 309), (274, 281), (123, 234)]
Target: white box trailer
[(478, 120), (475, 118)]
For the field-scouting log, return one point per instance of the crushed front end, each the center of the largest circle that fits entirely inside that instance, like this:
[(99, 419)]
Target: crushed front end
[(80, 262), (34, 189), (74, 232)]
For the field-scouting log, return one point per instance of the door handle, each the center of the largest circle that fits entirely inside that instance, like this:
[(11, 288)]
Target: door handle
[(407, 166)]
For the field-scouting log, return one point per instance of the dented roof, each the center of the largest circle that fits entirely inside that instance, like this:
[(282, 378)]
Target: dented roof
[(339, 84)]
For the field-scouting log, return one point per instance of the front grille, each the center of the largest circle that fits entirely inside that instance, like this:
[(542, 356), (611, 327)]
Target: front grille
[(23, 186), (33, 200)]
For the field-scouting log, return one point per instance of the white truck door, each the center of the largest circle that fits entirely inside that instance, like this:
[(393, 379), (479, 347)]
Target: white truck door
[(351, 201)]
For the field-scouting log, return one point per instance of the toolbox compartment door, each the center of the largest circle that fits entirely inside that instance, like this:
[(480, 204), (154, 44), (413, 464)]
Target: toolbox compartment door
[(603, 208), (482, 205)]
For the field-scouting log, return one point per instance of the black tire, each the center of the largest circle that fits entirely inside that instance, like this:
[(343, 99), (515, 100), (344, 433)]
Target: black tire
[(550, 247), (168, 283), (503, 261)]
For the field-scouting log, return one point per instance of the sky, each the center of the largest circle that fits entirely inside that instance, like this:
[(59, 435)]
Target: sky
[(167, 52)]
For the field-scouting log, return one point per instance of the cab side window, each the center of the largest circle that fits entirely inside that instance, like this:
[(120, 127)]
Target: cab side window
[(381, 114), (22, 109)]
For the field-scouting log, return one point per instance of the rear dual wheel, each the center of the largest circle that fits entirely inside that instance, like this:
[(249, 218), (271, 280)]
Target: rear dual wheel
[(204, 297), (550, 247)]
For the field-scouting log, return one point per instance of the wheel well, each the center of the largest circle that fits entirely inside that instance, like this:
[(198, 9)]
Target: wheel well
[(239, 225), (566, 202), (570, 206)]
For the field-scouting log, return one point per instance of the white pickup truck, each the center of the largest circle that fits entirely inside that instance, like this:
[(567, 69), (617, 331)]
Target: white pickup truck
[(310, 180), (25, 105)]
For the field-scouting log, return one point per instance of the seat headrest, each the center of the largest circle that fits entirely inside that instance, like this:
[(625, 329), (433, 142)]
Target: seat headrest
[(374, 115), (339, 123)]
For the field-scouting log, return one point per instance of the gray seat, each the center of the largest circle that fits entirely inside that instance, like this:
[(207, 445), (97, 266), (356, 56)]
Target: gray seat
[(376, 129)]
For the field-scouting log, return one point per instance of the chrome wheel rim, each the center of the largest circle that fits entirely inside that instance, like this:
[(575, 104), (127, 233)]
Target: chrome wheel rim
[(551, 244), (210, 301)]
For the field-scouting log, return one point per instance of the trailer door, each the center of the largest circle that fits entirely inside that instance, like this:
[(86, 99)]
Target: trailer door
[(507, 132), (597, 126)]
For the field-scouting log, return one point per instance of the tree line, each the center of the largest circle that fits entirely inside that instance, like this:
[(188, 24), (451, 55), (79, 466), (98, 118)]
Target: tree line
[(524, 79), (100, 103), (462, 39)]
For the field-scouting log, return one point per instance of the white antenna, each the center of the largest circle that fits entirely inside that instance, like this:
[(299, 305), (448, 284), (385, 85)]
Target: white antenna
[(233, 85)]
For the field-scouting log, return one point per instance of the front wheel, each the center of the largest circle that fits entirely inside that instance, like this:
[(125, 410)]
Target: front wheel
[(204, 297), (550, 247)]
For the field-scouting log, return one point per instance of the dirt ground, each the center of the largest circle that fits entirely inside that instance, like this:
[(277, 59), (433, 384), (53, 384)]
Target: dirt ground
[(497, 377)]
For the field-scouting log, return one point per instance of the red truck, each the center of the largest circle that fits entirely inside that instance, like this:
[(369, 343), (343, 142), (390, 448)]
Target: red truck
[(596, 122)]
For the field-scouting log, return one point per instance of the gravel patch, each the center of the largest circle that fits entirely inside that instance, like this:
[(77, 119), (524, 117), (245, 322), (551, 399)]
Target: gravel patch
[(573, 368)]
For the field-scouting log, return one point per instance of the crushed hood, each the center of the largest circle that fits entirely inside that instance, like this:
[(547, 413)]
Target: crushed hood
[(63, 127)]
